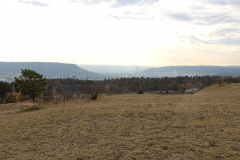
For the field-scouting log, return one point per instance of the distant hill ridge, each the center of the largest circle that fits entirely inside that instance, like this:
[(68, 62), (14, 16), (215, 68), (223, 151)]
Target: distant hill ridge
[(49, 69), (194, 70)]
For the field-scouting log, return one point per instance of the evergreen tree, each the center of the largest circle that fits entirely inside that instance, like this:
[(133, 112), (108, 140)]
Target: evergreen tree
[(30, 82), (4, 87)]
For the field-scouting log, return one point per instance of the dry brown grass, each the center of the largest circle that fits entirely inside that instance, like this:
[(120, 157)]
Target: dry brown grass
[(205, 125)]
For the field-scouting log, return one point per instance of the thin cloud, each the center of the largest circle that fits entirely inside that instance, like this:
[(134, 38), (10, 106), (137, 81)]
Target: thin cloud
[(237, 52), (124, 3), (216, 19), (133, 13), (229, 41), (116, 3), (225, 2), (137, 15), (127, 2), (26, 2), (90, 1), (204, 16), (130, 17), (35, 3), (39, 4), (189, 38), (226, 40), (181, 16), (228, 36), (227, 32)]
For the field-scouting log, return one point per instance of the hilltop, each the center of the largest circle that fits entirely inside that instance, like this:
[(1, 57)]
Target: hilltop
[(48, 69), (204, 125), (173, 71)]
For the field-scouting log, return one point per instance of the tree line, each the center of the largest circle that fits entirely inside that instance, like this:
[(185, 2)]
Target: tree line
[(31, 84), (135, 84)]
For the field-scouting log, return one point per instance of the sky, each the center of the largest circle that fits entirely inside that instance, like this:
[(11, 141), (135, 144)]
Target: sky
[(121, 32)]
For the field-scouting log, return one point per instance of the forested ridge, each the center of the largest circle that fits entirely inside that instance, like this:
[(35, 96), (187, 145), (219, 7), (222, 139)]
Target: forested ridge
[(135, 84)]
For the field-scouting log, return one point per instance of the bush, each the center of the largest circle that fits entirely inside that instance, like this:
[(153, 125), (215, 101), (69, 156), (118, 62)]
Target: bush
[(11, 97), (68, 95), (140, 92), (22, 97)]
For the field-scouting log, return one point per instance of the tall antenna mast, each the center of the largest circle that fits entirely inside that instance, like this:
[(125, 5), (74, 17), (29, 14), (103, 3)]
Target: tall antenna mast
[(137, 72)]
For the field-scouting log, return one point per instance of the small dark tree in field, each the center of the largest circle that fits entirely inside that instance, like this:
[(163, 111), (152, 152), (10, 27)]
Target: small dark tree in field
[(95, 88), (4, 87), (30, 82), (140, 92)]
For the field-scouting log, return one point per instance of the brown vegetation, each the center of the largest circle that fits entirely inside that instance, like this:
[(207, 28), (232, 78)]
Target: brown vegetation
[(205, 125)]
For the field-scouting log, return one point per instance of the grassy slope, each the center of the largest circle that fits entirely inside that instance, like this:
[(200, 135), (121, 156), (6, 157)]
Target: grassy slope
[(205, 125)]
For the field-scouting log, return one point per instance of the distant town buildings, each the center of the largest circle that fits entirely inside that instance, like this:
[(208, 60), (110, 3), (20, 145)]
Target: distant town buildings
[(8, 77)]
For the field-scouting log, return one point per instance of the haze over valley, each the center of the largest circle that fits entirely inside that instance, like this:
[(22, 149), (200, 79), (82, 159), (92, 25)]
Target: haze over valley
[(51, 70)]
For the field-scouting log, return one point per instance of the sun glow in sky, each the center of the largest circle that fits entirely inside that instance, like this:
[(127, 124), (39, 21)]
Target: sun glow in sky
[(121, 32)]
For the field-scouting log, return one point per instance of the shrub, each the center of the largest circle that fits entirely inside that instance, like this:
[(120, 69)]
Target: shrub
[(22, 97), (11, 97), (140, 92)]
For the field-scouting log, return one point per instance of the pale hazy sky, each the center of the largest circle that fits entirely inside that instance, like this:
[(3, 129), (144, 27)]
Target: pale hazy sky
[(121, 32)]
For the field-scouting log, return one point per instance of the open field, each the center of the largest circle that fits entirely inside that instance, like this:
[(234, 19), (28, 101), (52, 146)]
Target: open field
[(205, 125)]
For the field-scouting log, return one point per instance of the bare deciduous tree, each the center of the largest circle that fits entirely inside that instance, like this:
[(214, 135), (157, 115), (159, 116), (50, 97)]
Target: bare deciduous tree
[(95, 88)]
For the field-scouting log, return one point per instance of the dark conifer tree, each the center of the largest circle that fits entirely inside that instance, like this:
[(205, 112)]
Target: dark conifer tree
[(30, 82)]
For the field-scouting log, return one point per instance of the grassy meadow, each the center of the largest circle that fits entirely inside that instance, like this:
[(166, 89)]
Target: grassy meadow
[(204, 125)]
